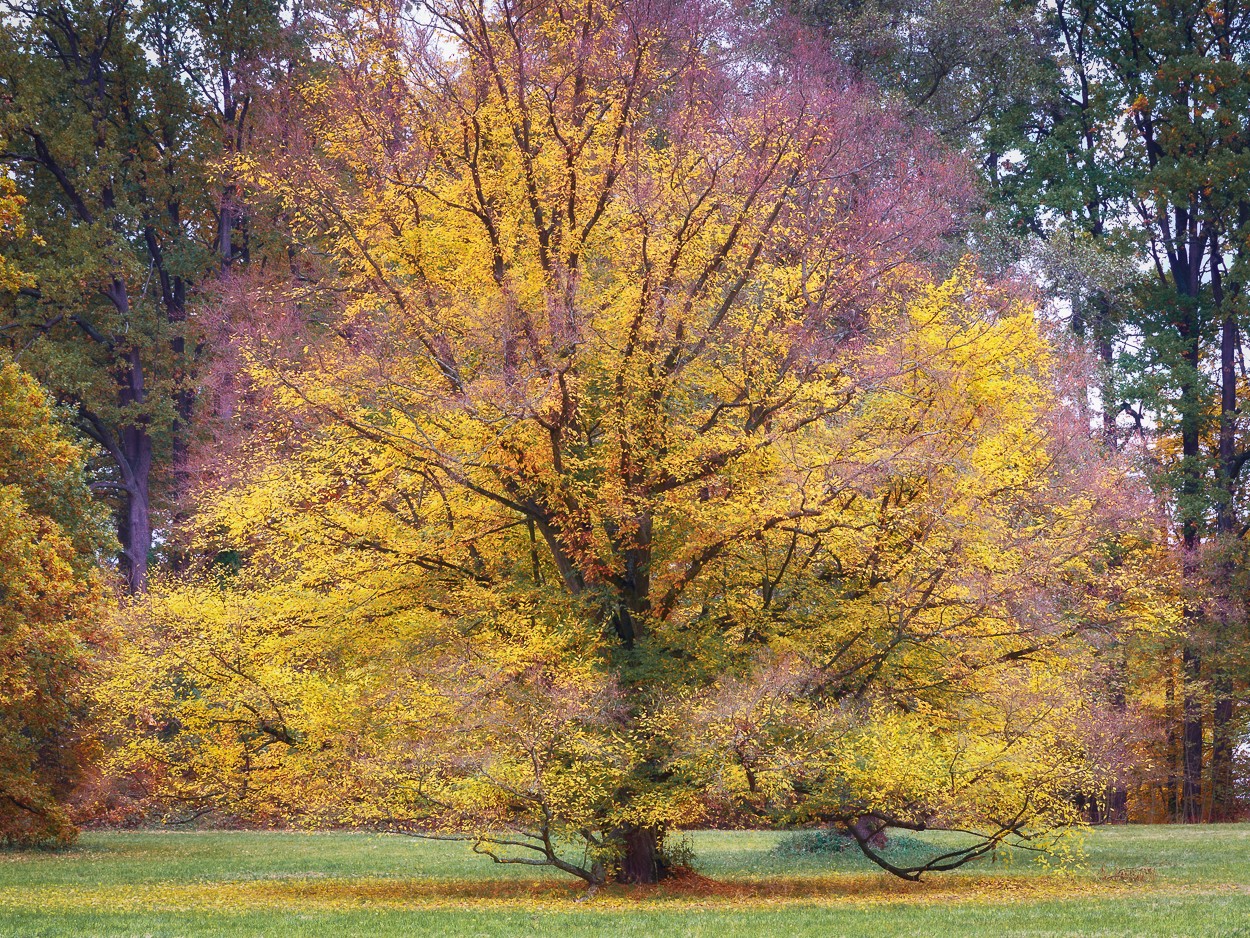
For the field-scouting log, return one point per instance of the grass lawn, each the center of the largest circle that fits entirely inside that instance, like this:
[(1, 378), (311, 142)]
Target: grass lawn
[(1131, 881)]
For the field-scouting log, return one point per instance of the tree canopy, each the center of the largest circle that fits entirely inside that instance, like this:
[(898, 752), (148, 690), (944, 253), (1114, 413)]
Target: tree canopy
[(555, 425), (628, 469)]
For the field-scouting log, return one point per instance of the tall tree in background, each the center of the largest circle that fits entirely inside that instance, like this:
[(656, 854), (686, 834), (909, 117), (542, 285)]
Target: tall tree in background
[(1140, 151), (961, 66), (1113, 138), (228, 53), (104, 145), (118, 123)]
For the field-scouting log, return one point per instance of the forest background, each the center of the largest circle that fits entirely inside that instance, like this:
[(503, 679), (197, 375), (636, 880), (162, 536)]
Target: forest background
[(556, 425)]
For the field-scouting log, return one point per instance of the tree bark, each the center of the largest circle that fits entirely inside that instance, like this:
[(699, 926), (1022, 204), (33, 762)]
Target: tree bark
[(1191, 735), (641, 862), (135, 529), (1173, 803), (1223, 801), (1117, 794), (131, 449), (1191, 663), (225, 223)]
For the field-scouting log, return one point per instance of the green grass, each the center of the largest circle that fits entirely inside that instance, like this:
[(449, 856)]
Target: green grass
[(1132, 881)]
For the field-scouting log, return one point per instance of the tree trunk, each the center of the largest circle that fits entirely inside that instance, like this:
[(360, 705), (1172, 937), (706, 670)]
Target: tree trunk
[(225, 224), (1222, 806), (1223, 802), (135, 529), (1117, 805), (1192, 408), (1173, 805), (641, 862), (1117, 795), (1191, 735), (1101, 329)]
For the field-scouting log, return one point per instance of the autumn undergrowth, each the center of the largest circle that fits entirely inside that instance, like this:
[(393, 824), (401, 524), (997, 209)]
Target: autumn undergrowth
[(1128, 881)]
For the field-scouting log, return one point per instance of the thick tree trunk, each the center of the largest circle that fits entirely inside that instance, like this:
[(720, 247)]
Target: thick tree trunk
[(132, 451), (641, 862), (136, 537), (135, 528)]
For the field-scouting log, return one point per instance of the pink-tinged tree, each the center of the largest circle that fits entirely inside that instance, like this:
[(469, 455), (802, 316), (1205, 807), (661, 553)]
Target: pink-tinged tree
[(621, 386)]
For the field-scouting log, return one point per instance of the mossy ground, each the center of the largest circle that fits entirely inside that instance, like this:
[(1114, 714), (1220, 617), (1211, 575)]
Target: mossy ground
[(1130, 881)]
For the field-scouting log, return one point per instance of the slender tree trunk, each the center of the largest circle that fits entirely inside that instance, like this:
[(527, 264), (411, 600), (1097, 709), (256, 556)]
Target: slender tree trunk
[(1191, 735), (178, 553), (1117, 795), (1173, 805), (1225, 517), (226, 224), (229, 130), (1101, 329), (1191, 493), (1222, 807), (1223, 802)]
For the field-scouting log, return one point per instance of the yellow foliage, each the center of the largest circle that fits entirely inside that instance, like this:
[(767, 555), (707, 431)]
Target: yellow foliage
[(49, 605), (639, 473), (12, 227)]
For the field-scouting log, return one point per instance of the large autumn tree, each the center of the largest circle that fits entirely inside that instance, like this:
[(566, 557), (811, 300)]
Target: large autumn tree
[(624, 465)]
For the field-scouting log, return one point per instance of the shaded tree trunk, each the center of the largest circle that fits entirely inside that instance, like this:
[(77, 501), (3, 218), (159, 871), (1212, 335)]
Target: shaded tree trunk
[(1191, 741), (1223, 802), (1117, 796), (135, 529), (131, 450), (641, 862), (1190, 490), (1173, 805)]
